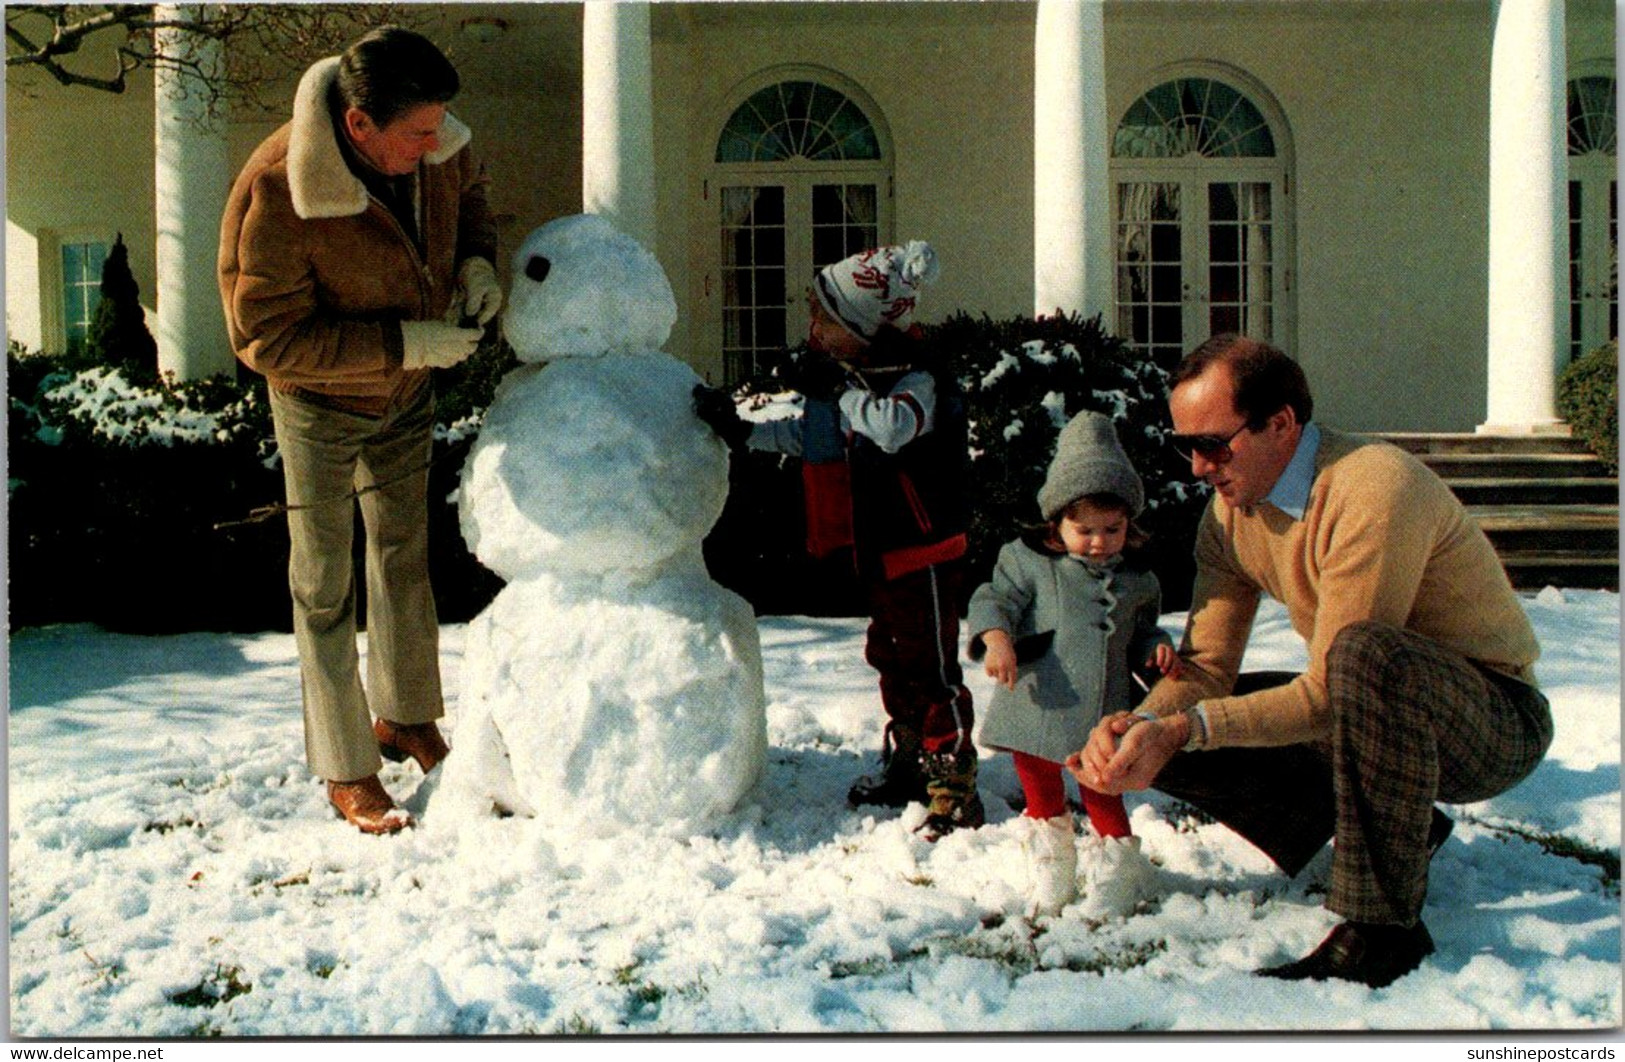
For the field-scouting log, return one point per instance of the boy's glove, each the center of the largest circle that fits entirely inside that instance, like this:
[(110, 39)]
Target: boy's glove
[(716, 407), (435, 344), (818, 376), (481, 293)]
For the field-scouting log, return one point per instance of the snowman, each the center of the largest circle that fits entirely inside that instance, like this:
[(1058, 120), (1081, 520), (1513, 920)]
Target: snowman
[(611, 683)]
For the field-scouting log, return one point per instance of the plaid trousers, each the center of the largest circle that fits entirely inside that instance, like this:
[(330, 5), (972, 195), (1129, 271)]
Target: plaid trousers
[(1412, 723)]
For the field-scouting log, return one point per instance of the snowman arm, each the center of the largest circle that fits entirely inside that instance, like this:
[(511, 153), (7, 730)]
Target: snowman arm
[(896, 420)]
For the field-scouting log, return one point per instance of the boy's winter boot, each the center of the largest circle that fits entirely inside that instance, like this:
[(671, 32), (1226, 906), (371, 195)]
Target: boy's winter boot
[(899, 781), (1052, 864), (1116, 877), (950, 784)]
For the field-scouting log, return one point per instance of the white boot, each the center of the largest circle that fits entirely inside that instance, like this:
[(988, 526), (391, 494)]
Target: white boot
[(1116, 877), (1052, 864)]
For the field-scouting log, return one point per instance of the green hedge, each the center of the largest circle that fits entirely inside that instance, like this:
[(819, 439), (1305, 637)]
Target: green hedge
[(1588, 398)]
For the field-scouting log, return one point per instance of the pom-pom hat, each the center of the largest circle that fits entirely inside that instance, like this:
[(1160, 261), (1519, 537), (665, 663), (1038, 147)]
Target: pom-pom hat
[(877, 287), (1089, 459)]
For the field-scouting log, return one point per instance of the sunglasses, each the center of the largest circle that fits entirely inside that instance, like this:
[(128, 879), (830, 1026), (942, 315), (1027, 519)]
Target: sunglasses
[(1214, 449)]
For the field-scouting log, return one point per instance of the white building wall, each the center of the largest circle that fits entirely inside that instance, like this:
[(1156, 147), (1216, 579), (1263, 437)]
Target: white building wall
[(23, 304)]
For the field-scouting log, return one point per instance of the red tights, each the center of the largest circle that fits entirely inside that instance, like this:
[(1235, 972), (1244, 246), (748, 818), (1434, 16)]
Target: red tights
[(1044, 783)]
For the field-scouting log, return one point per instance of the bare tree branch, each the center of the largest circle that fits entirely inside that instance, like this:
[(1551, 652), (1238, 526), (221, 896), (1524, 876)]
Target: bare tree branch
[(265, 44)]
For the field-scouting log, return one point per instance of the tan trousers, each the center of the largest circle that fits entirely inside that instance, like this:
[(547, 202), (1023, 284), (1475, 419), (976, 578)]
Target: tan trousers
[(325, 455)]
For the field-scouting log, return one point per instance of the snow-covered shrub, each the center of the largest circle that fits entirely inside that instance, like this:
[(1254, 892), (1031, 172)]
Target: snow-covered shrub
[(131, 505), (1022, 379), (1588, 398)]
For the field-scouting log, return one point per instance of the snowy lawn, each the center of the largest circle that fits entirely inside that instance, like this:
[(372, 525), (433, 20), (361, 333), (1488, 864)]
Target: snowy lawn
[(174, 871)]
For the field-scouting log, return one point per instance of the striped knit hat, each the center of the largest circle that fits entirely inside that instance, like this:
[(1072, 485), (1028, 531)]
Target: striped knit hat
[(878, 287)]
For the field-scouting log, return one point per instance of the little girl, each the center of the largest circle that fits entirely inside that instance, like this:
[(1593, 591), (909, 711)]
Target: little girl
[(1063, 623)]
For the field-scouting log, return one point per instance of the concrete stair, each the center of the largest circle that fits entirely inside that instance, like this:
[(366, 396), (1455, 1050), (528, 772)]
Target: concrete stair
[(1549, 506)]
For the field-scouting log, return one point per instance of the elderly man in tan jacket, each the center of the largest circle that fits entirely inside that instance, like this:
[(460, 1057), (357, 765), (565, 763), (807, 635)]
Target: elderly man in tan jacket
[(1420, 685), (356, 245)]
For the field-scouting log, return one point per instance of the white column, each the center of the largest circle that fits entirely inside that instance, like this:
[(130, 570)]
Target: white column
[(1072, 252), (1528, 255), (191, 182), (617, 117)]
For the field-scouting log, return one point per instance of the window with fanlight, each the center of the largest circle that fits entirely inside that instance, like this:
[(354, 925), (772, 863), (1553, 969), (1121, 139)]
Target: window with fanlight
[(1593, 213), (801, 178), (1202, 223)]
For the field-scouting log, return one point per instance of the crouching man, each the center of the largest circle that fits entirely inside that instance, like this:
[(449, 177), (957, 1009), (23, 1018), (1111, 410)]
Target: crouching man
[(1420, 686)]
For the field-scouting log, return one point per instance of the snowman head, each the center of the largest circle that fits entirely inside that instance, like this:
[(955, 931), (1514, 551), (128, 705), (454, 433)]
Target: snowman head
[(583, 289)]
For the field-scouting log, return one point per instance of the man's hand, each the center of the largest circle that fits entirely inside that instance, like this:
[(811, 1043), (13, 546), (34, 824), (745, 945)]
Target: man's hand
[(435, 344), (1127, 752), (482, 294), (1000, 663)]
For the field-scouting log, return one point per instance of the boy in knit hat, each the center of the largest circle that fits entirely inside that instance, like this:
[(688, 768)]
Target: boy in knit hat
[(1063, 624), (882, 440)]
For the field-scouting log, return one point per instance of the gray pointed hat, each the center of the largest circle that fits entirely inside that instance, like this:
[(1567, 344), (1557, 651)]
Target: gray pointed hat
[(1089, 459)]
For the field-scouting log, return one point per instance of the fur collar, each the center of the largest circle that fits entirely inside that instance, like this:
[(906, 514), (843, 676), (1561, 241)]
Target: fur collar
[(321, 184)]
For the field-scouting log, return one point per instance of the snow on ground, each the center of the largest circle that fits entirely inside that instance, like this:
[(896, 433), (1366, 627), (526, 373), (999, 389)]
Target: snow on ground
[(174, 871)]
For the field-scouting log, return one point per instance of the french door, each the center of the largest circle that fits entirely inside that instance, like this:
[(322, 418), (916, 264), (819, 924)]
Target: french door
[(1200, 252), (776, 231)]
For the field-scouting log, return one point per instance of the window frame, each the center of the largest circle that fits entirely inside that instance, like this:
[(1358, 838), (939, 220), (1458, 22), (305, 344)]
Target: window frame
[(798, 177), (1195, 174)]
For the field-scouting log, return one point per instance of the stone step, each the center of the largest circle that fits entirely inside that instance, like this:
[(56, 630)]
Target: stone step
[(1571, 569), (1453, 466), (1513, 528), (1572, 490), (1473, 442)]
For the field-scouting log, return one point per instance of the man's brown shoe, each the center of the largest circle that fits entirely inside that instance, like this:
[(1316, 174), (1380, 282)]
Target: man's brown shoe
[(1375, 955), (365, 805), (421, 741)]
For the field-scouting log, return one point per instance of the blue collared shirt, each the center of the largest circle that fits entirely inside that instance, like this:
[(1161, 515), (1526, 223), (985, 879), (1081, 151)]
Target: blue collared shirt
[(1291, 492)]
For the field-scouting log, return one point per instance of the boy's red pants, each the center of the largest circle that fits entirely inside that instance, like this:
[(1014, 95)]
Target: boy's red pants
[(914, 644)]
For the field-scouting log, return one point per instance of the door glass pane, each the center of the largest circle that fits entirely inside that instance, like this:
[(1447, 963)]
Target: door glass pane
[(753, 280), (1150, 268), (1240, 259), (844, 221)]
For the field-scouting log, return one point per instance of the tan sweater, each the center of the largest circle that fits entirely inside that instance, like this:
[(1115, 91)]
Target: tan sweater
[(1382, 538)]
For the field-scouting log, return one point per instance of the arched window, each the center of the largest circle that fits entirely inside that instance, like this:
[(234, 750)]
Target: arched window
[(1593, 214), (1202, 226), (801, 178)]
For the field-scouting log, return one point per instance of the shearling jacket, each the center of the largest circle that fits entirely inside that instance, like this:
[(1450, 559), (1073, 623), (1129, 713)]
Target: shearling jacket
[(1086, 627), (316, 275)]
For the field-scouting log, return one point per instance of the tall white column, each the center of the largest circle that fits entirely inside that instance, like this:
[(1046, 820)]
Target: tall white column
[(191, 182), (617, 117), (1528, 256), (1072, 252)]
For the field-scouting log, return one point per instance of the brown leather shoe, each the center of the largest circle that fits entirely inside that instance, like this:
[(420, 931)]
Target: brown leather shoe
[(365, 805), (1375, 955), (421, 741)]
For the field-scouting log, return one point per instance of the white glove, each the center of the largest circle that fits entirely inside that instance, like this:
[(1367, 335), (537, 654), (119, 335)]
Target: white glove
[(482, 295), (435, 344)]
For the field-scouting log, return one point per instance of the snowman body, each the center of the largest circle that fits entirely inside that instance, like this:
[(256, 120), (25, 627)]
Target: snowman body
[(611, 682)]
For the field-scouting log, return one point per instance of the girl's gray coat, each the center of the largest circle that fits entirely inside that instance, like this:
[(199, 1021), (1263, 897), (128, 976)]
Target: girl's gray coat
[(1104, 623)]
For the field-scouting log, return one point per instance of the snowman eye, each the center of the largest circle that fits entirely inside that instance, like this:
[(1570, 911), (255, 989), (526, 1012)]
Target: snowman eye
[(537, 268)]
